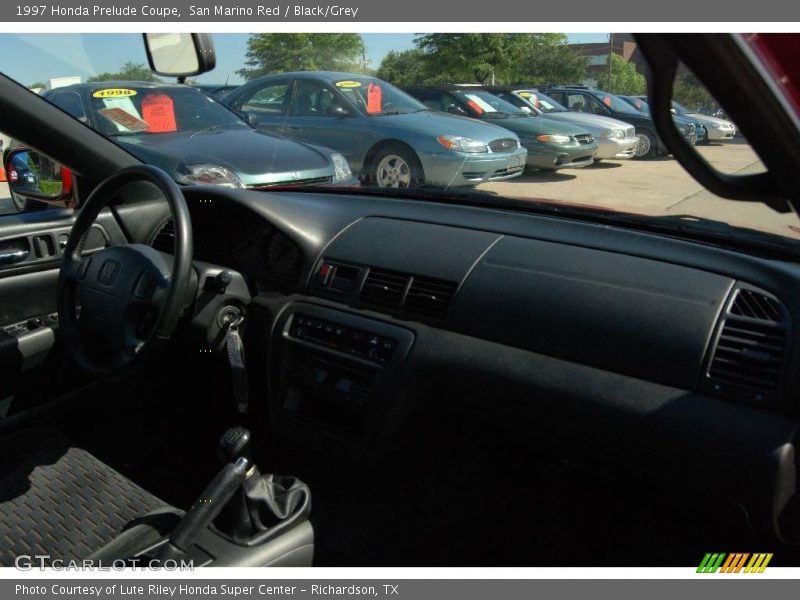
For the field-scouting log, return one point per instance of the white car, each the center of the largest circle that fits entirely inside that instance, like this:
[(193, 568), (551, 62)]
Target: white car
[(718, 129)]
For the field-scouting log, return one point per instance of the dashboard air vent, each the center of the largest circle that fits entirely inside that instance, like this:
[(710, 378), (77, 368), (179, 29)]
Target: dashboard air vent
[(748, 303), (748, 356), (164, 241), (429, 297), (384, 288)]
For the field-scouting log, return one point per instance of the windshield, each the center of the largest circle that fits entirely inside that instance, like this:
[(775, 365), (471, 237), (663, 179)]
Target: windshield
[(482, 102), (329, 111), (129, 109), (541, 101), (638, 104), (679, 108), (616, 103), (374, 97)]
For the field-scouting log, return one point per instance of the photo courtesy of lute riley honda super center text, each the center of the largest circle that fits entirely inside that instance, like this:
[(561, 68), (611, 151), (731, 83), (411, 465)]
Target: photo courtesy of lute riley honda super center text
[(227, 590)]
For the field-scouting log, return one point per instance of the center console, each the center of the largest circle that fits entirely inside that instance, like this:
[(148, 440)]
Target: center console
[(335, 375)]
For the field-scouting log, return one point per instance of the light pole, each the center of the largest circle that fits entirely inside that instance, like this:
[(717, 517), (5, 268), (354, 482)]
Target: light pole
[(610, 52)]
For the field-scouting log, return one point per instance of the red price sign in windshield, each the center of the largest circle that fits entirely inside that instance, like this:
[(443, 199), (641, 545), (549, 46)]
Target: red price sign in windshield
[(374, 94), (158, 112)]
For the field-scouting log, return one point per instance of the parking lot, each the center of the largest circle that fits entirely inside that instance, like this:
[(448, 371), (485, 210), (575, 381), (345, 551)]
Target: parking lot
[(652, 187), (655, 187)]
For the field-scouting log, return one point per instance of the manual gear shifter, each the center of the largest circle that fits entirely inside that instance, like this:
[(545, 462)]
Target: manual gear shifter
[(264, 505)]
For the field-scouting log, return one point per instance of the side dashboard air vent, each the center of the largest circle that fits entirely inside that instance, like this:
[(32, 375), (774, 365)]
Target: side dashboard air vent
[(164, 241), (747, 359), (429, 297), (384, 288)]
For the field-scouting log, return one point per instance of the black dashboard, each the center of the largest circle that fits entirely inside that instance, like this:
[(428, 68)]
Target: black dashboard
[(667, 355)]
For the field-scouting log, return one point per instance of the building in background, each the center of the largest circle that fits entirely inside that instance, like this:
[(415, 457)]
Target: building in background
[(622, 44)]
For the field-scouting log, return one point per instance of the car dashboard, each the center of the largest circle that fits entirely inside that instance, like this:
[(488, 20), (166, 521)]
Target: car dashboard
[(661, 355)]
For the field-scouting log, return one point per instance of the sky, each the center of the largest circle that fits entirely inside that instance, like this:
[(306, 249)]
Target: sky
[(33, 57)]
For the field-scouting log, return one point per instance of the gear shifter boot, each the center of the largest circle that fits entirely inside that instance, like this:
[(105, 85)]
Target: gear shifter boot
[(264, 507)]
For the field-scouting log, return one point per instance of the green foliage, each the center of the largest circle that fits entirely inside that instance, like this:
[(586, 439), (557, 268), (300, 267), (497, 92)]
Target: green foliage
[(471, 57), (37, 84), (551, 62), (625, 79), (484, 58), (403, 68), (269, 53), (691, 93), (130, 71)]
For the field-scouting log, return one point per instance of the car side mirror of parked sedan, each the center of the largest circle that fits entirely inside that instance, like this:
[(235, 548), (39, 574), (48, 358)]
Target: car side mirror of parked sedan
[(34, 177), (337, 110), (457, 110)]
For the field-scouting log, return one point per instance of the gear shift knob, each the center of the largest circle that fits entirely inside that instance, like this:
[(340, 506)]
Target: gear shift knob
[(235, 443)]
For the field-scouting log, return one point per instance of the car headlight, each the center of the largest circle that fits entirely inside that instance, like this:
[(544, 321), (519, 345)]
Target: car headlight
[(341, 168), (553, 138), (210, 174), (461, 144)]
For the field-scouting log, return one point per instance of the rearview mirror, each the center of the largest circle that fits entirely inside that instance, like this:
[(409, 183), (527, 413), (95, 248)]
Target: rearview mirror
[(179, 54), (33, 176)]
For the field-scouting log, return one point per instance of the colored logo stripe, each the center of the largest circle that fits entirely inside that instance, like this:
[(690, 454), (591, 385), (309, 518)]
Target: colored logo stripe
[(734, 563)]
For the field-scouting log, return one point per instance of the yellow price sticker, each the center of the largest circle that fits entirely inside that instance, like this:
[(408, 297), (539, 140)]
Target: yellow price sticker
[(114, 93), (348, 84)]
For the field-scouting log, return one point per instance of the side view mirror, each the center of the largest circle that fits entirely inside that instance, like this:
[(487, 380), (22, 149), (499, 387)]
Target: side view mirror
[(32, 175), (251, 119), (673, 111), (601, 111), (179, 54), (457, 110), (336, 110)]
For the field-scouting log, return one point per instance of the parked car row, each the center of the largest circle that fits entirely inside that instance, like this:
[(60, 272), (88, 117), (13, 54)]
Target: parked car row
[(343, 129)]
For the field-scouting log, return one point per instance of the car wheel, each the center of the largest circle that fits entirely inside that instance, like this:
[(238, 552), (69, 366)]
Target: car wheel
[(24, 205), (647, 146), (395, 167)]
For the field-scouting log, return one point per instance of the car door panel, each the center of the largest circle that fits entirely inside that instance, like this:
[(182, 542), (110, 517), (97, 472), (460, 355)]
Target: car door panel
[(267, 104), (28, 285)]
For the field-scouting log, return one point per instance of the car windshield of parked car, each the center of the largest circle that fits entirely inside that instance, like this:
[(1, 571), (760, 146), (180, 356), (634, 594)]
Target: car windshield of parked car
[(341, 123), (482, 102), (541, 101), (130, 110), (680, 109), (617, 104), (374, 97)]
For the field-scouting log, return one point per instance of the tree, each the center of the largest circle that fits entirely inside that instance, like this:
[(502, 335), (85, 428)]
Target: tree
[(37, 84), (278, 52), (625, 79), (551, 62), (130, 71), (473, 57), (403, 68), (691, 93)]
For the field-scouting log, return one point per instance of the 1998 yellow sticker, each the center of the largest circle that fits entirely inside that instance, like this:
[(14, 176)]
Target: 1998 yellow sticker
[(525, 94), (113, 93), (348, 84)]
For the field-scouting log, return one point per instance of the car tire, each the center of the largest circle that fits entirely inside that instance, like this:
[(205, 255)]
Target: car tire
[(647, 146), (25, 205), (395, 166)]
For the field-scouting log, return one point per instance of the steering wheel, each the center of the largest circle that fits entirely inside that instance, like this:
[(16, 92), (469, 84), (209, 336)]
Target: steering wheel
[(118, 305)]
